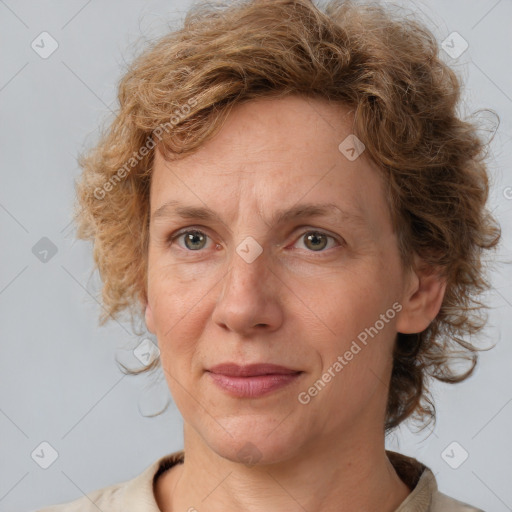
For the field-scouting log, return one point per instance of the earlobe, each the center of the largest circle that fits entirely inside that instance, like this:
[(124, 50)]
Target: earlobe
[(422, 300), (149, 319)]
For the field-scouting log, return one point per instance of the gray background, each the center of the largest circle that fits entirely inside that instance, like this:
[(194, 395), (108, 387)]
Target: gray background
[(59, 379)]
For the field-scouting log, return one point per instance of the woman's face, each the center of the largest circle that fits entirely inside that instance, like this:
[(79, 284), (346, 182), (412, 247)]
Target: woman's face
[(251, 284)]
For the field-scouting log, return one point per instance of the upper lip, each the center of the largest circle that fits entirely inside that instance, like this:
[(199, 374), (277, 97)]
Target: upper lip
[(250, 370)]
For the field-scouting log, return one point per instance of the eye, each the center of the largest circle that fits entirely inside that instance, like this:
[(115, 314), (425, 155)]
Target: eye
[(316, 241), (193, 239)]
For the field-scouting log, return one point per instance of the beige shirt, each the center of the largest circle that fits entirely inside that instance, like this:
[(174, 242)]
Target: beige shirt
[(137, 495)]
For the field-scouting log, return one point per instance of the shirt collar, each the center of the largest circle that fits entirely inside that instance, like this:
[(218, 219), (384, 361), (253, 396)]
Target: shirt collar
[(140, 490)]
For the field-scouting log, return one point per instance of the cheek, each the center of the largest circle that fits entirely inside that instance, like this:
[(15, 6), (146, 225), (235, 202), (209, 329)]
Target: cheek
[(177, 317), (347, 303), (174, 295), (178, 328), (360, 318)]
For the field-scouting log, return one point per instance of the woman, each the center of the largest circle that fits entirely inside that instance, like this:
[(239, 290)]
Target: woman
[(289, 200)]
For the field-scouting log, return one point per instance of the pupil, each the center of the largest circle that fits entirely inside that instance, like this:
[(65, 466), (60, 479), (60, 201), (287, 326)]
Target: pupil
[(317, 240), (193, 237), (315, 237)]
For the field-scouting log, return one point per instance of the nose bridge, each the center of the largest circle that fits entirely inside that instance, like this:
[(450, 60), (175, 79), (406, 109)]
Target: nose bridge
[(247, 268), (246, 299)]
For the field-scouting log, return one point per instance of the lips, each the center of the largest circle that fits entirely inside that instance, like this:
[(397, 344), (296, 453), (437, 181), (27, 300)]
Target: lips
[(253, 380), (251, 370)]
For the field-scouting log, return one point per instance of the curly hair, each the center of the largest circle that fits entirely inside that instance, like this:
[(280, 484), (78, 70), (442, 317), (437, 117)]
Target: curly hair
[(177, 94)]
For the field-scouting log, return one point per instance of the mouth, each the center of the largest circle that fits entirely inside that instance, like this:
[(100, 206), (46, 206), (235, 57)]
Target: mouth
[(251, 370), (251, 381)]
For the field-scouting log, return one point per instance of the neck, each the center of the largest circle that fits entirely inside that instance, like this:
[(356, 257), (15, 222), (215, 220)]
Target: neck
[(334, 476)]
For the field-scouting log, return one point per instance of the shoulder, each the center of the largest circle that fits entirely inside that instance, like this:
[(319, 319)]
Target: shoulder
[(135, 494), (94, 501), (425, 495), (443, 503)]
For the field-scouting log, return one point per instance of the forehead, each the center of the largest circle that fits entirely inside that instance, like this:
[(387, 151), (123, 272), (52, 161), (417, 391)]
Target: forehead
[(272, 154)]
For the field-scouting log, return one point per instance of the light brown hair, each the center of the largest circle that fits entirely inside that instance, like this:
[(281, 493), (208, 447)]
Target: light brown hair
[(178, 92)]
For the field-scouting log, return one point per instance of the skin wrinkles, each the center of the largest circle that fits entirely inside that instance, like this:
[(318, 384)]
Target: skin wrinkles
[(288, 307)]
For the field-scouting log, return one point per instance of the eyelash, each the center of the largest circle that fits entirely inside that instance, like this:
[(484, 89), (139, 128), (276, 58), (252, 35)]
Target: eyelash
[(175, 236)]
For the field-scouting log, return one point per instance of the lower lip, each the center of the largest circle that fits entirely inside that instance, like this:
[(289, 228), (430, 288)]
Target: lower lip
[(251, 387)]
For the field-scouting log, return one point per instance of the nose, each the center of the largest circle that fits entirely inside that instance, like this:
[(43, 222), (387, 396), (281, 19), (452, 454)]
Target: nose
[(249, 300)]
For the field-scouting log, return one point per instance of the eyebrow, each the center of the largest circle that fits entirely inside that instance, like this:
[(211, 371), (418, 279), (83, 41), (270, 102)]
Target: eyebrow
[(174, 208)]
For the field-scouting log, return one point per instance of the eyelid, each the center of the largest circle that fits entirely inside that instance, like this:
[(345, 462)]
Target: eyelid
[(173, 236), (324, 233), (303, 231)]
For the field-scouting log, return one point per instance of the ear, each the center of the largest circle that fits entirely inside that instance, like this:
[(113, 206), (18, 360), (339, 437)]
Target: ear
[(422, 299), (149, 319)]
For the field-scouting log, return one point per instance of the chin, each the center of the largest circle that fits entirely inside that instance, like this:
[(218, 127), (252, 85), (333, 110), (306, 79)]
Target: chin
[(254, 443)]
